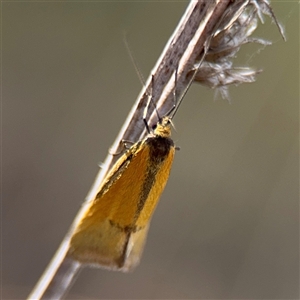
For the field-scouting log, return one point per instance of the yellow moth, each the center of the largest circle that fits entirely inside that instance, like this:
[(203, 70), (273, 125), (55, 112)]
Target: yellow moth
[(113, 230)]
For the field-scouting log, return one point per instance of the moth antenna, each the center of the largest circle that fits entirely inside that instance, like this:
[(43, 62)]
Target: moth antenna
[(130, 53), (174, 110)]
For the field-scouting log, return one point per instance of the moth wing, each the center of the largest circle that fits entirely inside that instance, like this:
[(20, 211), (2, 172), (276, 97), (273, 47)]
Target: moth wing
[(135, 250)]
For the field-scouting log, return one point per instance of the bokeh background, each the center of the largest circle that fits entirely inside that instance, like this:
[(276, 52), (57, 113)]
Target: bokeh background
[(227, 225)]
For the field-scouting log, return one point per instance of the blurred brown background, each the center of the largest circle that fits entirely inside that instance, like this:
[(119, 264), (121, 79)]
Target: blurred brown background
[(227, 226)]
